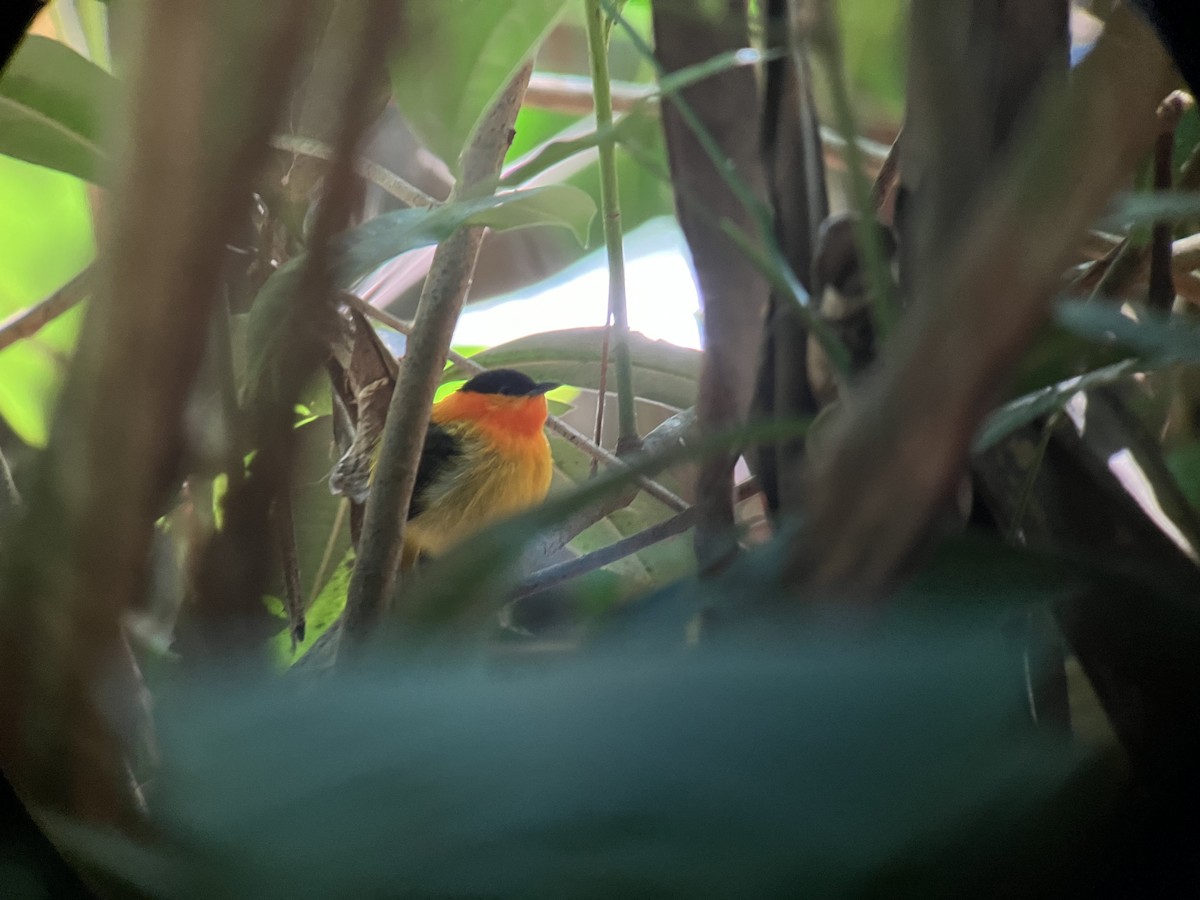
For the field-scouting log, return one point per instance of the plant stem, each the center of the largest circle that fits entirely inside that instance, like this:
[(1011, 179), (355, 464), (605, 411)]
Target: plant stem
[(441, 302), (30, 321), (610, 205), (825, 39), (10, 497), (406, 193)]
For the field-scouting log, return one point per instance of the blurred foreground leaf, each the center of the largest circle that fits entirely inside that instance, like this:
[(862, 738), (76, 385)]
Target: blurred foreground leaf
[(53, 105), (1148, 207), (1155, 339), (831, 765)]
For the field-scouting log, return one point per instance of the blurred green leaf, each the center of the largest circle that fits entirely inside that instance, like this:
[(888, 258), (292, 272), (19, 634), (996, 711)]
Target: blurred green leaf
[(662, 372), (1057, 354), (1145, 208), (363, 249), (1024, 410), (1184, 465), (460, 55), (874, 35), (1156, 340), (839, 763), (53, 106), (46, 233)]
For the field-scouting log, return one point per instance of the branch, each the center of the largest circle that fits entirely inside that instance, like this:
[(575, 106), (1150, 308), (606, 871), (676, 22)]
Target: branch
[(904, 445), (1116, 272), (78, 557), (573, 94), (406, 193), (233, 574), (441, 302), (635, 543), (672, 433), (598, 559), (10, 497), (27, 322), (712, 148), (610, 203)]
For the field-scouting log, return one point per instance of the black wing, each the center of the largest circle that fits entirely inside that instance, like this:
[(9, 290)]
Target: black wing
[(441, 450)]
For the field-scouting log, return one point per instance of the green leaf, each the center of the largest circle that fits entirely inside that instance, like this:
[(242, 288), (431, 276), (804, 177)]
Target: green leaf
[(53, 107), (653, 566), (323, 612), (317, 522), (557, 204), (1023, 410), (1147, 207), (842, 763), (1157, 340), (46, 233), (1184, 465), (365, 248), (461, 56), (662, 372)]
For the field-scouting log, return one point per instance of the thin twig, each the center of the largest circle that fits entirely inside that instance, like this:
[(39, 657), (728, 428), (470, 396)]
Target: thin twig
[(28, 322), (406, 193), (602, 388), (1161, 294), (573, 94), (293, 596), (339, 520), (1015, 532), (441, 302), (1112, 274), (10, 497), (576, 438), (610, 203), (635, 543), (597, 559), (886, 179)]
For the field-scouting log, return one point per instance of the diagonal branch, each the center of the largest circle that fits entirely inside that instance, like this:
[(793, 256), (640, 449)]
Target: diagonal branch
[(28, 322), (408, 414), (904, 446)]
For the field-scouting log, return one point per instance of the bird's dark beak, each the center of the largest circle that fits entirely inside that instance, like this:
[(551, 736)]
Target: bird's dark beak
[(543, 387)]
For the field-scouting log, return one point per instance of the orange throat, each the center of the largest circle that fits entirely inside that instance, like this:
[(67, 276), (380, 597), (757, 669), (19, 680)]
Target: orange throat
[(503, 420)]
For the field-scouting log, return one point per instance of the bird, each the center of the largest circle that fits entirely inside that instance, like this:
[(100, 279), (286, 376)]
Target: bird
[(485, 456)]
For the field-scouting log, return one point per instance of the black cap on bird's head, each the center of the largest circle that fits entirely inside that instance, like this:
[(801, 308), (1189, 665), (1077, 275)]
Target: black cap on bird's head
[(509, 383)]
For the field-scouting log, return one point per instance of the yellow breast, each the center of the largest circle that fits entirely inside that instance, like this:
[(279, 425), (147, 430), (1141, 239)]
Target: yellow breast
[(490, 480)]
